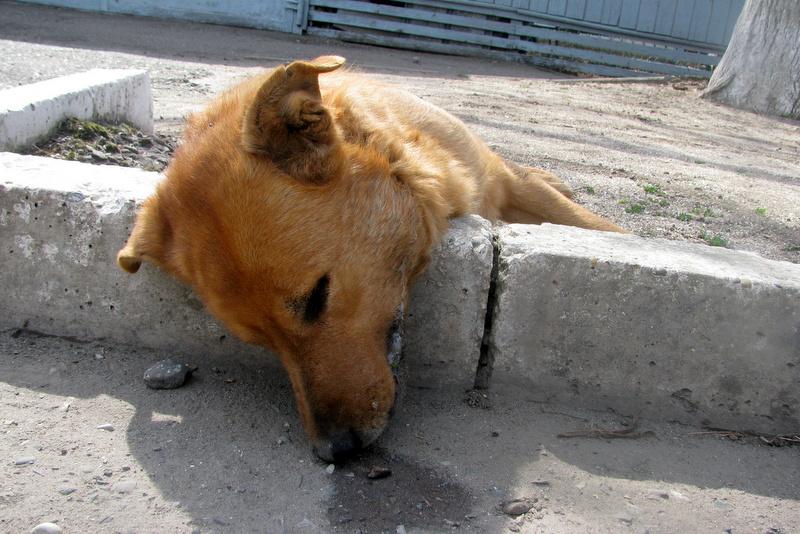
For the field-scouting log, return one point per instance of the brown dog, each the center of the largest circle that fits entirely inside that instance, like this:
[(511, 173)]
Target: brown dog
[(300, 210)]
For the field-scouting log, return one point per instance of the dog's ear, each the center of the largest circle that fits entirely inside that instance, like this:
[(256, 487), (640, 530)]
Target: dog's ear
[(287, 122), (148, 240)]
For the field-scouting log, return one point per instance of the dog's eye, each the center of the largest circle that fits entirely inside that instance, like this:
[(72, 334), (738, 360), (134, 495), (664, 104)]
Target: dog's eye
[(313, 304)]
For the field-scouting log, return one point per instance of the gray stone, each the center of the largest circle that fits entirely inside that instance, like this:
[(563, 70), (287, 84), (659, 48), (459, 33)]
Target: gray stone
[(648, 327), (66, 490), (125, 486), (106, 426), (167, 374), (25, 460), (46, 528), (516, 507)]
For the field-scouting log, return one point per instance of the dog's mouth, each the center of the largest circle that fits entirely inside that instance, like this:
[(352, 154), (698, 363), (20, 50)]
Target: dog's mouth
[(394, 340)]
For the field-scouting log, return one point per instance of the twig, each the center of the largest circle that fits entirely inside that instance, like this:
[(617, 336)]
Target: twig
[(553, 412), (628, 433)]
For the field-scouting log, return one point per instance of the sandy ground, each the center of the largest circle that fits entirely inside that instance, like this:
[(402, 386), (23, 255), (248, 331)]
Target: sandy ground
[(230, 456), (226, 453)]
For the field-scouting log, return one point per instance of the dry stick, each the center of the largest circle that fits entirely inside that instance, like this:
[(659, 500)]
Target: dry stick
[(629, 433)]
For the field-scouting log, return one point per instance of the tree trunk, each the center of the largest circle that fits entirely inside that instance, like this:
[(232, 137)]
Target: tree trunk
[(760, 70)]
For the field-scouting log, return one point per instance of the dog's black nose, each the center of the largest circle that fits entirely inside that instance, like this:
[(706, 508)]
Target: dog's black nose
[(338, 446)]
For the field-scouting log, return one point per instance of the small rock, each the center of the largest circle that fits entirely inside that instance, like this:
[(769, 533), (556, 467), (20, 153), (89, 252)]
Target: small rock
[(65, 407), (401, 529), (126, 468), (415, 59), (46, 528), (24, 460), (657, 495), (108, 473), (624, 518), (516, 507), (330, 469), (66, 490), (167, 374), (495, 433), (305, 523), (126, 486), (106, 426), (541, 482), (378, 472)]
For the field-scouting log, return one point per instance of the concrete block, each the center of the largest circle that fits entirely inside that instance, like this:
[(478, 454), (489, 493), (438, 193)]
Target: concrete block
[(62, 223), (444, 327), (30, 112), (648, 327)]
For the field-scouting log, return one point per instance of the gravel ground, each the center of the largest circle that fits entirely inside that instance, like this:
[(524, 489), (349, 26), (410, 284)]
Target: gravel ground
[(107, 144), (84, 443)]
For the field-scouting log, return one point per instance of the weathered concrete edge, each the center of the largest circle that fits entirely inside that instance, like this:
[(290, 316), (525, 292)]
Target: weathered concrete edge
[(648, 327), (31, 112), (91, 211), (59, 241)]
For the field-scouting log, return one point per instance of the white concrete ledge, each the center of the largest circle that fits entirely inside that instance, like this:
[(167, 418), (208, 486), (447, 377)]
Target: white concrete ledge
[(648, 327), (30, 112), (62, 223)]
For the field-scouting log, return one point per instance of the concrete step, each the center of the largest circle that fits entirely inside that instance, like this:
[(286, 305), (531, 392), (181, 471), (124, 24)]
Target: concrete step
[(661, 329), (648, 327), (62, 223)]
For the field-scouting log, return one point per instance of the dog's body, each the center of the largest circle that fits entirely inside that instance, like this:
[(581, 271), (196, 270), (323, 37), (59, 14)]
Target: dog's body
[(301, 212)]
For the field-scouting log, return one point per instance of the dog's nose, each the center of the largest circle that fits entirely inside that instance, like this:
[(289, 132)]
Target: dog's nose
[(338, 446)]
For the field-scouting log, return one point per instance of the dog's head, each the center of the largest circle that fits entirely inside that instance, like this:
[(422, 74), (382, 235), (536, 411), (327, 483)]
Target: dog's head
[(297, 239)]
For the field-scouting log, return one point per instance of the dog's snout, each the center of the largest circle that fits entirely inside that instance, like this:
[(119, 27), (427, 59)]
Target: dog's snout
[(338, 446)]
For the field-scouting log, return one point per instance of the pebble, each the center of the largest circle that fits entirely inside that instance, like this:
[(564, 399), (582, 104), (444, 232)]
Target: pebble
[(516, 507), (168, 374), (401, 529), (657, 495), (541, 482), (305, 523), (378, 472), (624, 518), (66, 490), (46, 528), (126, 486), (330, 469), (24, 460), (106, 426)]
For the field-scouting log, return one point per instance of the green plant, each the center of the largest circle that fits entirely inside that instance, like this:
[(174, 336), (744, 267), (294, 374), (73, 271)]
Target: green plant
[(685, 217), (663, 203), (761, 211), (653, 189), (635, 209), (589, 189), (715, 240)]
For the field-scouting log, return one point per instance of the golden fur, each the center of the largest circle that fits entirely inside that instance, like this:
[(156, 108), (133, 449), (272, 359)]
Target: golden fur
[(300, 208)]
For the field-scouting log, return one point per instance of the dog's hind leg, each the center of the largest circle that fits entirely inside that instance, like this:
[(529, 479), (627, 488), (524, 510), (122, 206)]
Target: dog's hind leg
[(556, 182), (534, 196)]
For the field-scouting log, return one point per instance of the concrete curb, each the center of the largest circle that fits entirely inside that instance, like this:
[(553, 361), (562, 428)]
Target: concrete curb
[(30, 112), (650, 327), (647, 327), (59, 241)]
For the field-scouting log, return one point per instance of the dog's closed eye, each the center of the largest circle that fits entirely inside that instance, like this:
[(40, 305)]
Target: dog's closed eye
[(312, 305)]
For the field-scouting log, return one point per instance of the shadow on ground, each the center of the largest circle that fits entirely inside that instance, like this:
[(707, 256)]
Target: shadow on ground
[(229, 448)]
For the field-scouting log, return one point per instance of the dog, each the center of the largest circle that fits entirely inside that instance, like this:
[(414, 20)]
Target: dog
[(301, 207)]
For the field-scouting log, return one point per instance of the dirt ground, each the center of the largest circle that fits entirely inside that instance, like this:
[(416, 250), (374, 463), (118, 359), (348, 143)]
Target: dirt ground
[(221, 455), (226, 453)]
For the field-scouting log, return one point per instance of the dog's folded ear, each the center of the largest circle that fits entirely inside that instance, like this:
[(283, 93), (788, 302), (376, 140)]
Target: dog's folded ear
[(288, 123), (148, 239)]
